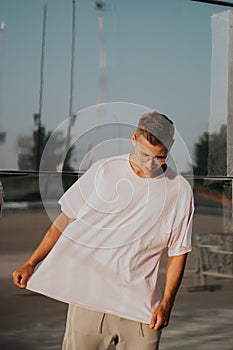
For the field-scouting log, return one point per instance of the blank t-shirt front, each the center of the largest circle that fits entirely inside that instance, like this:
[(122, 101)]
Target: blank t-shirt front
[(108, 258)]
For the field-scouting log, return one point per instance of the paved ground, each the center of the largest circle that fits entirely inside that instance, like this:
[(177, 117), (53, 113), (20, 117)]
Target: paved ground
[(186, 331), (201, 320)]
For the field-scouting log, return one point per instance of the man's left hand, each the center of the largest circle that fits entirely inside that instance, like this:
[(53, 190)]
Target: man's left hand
[(160, 317)]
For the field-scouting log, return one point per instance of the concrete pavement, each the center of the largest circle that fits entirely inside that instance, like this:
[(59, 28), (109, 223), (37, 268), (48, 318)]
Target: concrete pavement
[(200, 320)]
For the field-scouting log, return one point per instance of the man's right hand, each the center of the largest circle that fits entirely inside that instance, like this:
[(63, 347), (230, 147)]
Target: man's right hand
[(22, 275)]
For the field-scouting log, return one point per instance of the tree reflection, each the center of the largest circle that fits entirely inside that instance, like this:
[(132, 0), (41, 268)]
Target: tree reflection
[(31, 148), (210, 160), (210, 153)]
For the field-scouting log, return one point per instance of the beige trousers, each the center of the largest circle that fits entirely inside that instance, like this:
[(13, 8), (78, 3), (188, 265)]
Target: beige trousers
[(92, 330)]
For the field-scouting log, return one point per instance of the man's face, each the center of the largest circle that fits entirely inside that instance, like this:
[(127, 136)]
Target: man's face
[(149, 158)]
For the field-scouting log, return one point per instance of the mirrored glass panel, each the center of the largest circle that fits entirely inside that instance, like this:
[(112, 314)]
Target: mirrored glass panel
[(63, 57)]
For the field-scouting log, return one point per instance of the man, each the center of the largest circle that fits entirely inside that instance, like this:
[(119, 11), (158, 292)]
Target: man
[(115, 223)]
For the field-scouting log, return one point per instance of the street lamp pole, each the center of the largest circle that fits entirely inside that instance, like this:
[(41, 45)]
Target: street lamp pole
[(37, 116), (72, 116)]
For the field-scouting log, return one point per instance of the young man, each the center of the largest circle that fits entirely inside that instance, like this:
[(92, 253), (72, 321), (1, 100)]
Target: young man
[(116, 221)]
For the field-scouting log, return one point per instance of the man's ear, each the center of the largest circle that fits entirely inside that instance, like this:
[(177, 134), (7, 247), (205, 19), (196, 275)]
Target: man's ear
[(133, 138)]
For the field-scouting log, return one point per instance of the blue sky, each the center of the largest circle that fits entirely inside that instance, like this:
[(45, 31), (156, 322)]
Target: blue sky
[(158, 55)]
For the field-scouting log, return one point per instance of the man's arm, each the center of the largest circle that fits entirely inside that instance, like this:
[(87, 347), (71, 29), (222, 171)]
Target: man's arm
[(24, 272), (174, 274)]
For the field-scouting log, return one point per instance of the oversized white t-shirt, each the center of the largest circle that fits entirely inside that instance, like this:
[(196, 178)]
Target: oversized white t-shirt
[(108, 258)]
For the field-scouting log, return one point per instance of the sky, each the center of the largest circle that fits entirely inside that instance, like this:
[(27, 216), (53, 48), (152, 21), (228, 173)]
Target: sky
[(158, 55)]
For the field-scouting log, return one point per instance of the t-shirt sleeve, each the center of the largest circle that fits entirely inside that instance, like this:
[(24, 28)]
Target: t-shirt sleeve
[(180, 238), (73, 199)]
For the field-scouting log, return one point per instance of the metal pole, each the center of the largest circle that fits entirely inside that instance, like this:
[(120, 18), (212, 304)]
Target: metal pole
[(72, 61), (42, 62), (71, 116), (41, 89)]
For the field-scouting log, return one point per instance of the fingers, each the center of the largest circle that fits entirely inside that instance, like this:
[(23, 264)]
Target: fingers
[(153, 320), (23, 282), (17, 279), (159, 320), (158, 323), (21, 276)]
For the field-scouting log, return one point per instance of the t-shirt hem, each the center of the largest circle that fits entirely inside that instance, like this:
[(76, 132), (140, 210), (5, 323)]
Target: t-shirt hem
[(91, 307)]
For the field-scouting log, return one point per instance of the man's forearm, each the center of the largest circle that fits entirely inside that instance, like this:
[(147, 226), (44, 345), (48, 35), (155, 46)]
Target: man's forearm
[(49, 240), (45, 246), (174, 274)]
